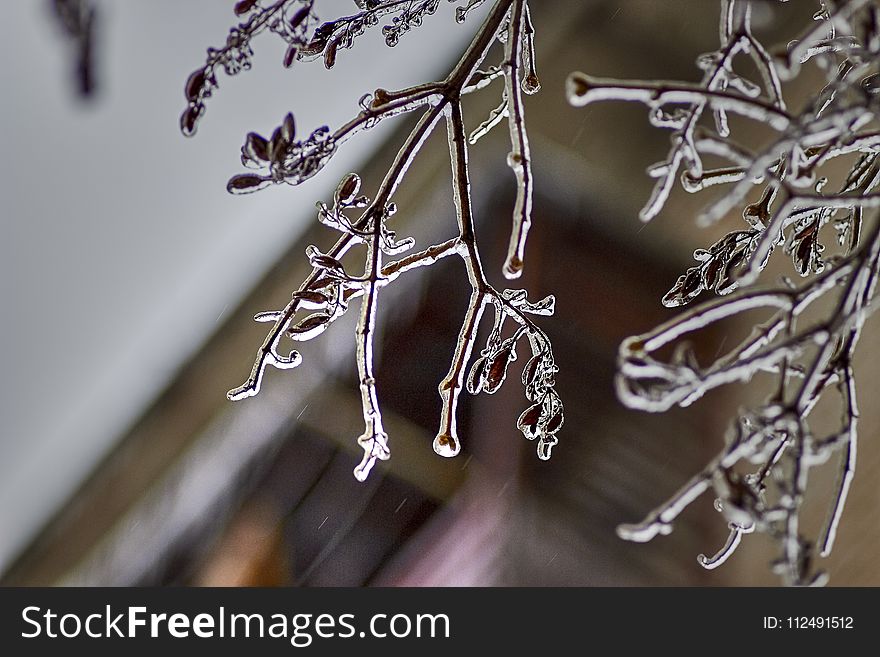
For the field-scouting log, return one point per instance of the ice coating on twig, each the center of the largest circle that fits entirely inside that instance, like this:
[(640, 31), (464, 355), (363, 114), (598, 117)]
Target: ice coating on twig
[(810, 354), (364, 222)]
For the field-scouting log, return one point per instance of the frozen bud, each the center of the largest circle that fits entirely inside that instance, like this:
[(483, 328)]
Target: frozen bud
[(244, 6), (245, 183), (555, 423), (194, 84), (277, 145), (529, 421), (288, 128), (319, 40), (256, 147), (380, 97), (190, 118), (347, 189), (497, 369)]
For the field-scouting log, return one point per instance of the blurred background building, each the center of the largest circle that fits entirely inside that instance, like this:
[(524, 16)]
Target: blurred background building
[(130, 278)]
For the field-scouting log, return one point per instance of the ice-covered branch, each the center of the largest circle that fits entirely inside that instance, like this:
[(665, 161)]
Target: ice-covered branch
[(809, 353), (326, 293), (447, 442), (584, 89), (519, 159)]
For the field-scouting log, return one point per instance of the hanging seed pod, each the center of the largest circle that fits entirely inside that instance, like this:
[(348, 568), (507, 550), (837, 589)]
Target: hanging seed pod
[(331, 266), (555, 423), (194, 84), (190, 118), (529, 421), (476, 376), (496, 371), (330, 53), (277, 146)]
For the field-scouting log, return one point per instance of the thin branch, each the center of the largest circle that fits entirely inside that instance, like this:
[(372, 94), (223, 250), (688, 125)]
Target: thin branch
[(447, 442), (519, 158)]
